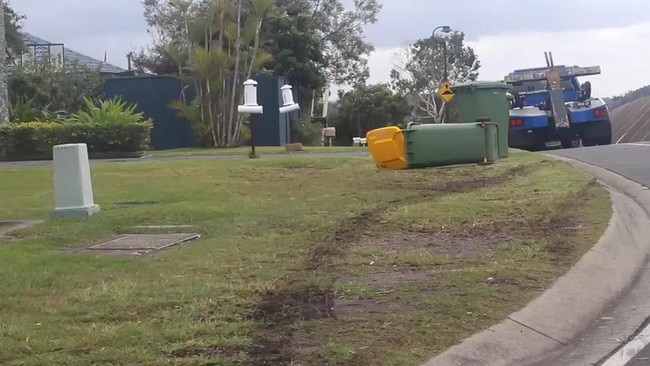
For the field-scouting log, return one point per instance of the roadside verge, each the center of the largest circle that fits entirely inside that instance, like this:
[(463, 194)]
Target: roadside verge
[(576, 301)]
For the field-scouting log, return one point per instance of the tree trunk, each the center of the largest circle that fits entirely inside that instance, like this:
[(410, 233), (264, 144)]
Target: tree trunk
[(235, 83), (4, 93)]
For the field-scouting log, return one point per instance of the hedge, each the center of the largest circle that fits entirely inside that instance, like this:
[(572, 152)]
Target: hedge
[(35, 140)]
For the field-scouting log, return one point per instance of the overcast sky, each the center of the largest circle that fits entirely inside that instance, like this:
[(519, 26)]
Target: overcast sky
[(506, 34)]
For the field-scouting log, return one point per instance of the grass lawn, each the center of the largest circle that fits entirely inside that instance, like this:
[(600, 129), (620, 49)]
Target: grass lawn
[(259, 150), (311, 261)]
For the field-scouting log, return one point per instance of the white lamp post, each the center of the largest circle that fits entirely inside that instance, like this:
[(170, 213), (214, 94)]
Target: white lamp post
[(250, 105), (250, 99), (288, 105)]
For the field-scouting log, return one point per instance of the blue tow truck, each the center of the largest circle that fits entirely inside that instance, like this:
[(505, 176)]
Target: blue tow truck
[(549, 108)]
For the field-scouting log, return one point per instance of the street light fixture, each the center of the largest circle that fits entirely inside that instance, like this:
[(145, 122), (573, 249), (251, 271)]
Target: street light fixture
[(443, 29)]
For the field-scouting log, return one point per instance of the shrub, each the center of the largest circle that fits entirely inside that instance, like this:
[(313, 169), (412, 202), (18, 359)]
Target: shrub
[(308, 133), (35, 140), (27, 111), (50, 86), (109, 112)]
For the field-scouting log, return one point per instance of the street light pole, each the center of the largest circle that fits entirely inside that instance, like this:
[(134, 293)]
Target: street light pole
[(444, 56), (445, 76), (444, 29)]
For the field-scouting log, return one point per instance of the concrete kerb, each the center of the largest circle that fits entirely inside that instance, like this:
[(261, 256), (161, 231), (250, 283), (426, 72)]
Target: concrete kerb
[(577, 300)]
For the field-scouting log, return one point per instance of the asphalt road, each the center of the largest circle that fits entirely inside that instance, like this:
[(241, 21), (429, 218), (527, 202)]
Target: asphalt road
[(631, 161)]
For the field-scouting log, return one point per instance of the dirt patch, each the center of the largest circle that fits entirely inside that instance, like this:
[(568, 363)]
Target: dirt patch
[(6, 227), (356, 309), (353, 229), (558, 227), (208, 352), (295, 171), (439, 242), (277, 311), (390, 279), (470, 181), (380, 285)]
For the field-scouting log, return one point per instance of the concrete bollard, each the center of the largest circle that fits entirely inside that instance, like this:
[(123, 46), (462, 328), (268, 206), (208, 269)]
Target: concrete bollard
[(73, 191)]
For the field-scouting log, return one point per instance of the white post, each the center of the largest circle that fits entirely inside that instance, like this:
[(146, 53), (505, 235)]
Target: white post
[(288, 105), (73, 191), (250, 99)]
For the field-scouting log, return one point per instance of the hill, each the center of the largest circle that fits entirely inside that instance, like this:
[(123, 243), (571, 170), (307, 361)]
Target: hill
[(631, 96), (631, 121)]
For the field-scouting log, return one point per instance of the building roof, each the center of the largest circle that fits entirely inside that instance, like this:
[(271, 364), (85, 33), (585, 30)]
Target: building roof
[(71, 56)]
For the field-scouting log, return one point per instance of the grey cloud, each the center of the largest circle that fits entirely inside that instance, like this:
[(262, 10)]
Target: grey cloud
[(404, 21), (82, 23), (81, 18)]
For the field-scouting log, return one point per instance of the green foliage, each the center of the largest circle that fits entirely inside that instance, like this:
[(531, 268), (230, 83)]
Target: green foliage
[(108, 112), (308, 133), (35, 140), (50, 87), (297, 47), (215, 46), (366, 108), (13, 25), (192, 112), (310, 41), (420, 71), (28, 112), (24, 112)]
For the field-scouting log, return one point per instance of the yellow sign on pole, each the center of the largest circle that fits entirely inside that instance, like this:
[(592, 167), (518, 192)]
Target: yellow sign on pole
[(445, 92)]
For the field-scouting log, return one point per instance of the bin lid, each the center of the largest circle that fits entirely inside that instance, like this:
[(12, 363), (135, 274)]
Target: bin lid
[(481, 85)]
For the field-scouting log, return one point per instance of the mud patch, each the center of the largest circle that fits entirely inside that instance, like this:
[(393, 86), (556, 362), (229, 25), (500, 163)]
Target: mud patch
[(294, 304), (322, 254), (277, 311)]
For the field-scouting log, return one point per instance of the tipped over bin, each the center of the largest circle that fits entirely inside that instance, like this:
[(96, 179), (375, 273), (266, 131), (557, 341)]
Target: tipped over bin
[(430, 145)]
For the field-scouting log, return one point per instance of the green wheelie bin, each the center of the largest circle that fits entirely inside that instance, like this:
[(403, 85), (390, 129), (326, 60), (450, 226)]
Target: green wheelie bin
[(480, 99)]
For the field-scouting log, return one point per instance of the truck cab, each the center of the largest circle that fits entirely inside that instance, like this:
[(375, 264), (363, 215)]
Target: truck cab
[(550, 108)]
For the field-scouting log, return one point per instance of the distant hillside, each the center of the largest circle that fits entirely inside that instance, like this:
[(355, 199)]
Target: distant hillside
[(621, 100), (631, 121)]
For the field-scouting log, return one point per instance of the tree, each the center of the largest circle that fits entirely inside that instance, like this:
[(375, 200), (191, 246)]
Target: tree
[(4, 107), (367, 107), (296, 46), (215, 46), (311, 41), (46, 86), (13, 25), (342, 32), (418, 71)]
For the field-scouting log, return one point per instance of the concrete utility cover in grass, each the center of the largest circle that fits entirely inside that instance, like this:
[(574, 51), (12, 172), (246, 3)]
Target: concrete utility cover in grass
[(138, 244)]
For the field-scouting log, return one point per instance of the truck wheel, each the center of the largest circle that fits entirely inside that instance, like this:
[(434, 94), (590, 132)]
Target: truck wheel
[(606, 140), (597, 134), (570, 143)]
